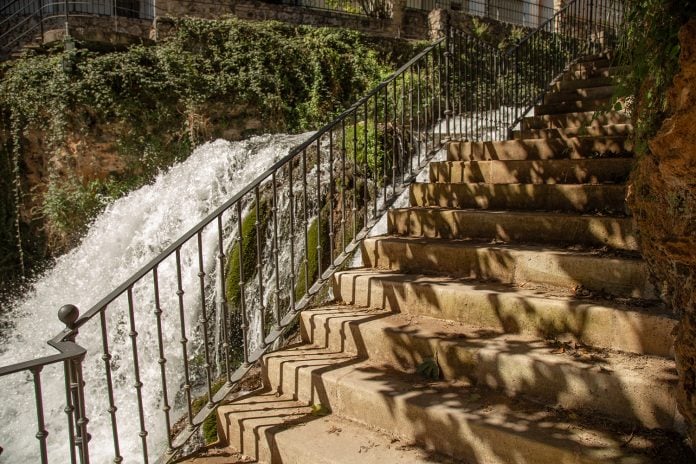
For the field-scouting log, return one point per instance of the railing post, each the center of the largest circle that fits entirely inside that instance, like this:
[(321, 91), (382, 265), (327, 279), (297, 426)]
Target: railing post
[(590, 26), (41, 25), (75, 393), (67, 19), (448, 63)]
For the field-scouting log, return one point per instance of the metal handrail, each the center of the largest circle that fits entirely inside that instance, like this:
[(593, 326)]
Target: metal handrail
[(367, 154), (42, 11)]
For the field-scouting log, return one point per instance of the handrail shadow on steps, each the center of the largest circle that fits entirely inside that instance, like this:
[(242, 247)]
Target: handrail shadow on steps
[(313, 207)]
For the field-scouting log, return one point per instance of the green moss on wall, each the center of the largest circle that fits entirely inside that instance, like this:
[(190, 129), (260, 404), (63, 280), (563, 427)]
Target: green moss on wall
[(232, 275), (249, 252), (313, 236)]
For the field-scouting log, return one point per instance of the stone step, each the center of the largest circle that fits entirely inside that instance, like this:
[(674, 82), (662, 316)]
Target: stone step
[(605, 55), (560, 171), (456, 419), (563, 85), (616, 385), (594, 130), (574, 120), (599, 273), (579, 198), (579, 94), (534, 149), (279, 429), (515, 226), (588, 64), (504, 308), (588, 72), (590, 104)]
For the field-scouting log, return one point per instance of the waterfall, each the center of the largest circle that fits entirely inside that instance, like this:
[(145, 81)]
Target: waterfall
[(127, 235)]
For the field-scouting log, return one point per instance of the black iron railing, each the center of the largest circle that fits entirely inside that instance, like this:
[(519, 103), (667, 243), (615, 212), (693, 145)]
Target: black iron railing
[(236, 282), (374, 8), (23, 20), (523, 13)]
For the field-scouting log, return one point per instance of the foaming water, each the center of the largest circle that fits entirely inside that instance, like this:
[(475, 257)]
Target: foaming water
[(127, 235)]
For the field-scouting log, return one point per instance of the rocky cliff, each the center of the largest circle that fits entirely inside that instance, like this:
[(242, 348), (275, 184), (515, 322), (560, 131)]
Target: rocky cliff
[(664, 204)]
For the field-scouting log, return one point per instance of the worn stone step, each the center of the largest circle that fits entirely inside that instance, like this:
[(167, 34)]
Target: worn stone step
[(456, 419), (590, 104), (574, 119), (505, 308), (274, 429), (563, 85), (616, 385), (579, 94), (580, 198), (534, 149), (581, 72), (605, 55), (514, 264), (598, 62), (515, 226), (594, 130), (561, 171)]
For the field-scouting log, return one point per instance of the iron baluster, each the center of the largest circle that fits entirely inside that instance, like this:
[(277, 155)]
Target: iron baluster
[(276, 268), (305, 221), (439, 94), (343, 184), (394, 137), (403, 150), (411, 137), (106, 357), (418, 112), (319, 207), (331, 201), (259, 265), (74, 388), (41, 432), (133, 334), (366, 193), (375, 159), (204, 321), (355, 174), (223, 307), (448, 65), (69, 410), (291, 208), (242, 292), (385, 150), (183, 340)]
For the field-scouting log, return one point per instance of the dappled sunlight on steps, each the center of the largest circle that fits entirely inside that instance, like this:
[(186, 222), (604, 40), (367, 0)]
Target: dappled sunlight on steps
[(515, 275)]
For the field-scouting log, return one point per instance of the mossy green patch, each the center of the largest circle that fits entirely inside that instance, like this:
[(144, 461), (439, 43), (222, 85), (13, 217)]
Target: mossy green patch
[(209, 426), (315, 236), (248, 253)]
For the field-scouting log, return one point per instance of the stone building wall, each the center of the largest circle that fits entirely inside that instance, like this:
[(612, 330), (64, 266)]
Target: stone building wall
[(412, 24)]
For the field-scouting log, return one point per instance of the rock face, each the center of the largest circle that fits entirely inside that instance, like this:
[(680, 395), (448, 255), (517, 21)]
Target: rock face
[(664, 204)]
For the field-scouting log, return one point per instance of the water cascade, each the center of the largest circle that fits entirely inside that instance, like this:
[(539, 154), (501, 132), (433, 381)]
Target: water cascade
[(128, 234)]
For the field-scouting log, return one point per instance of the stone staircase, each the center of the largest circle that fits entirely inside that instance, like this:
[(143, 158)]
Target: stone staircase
[(506, 317)]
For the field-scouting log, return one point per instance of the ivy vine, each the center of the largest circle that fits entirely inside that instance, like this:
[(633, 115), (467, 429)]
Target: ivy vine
[(162, 100)]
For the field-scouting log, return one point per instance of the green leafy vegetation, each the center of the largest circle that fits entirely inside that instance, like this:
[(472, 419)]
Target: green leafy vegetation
[(151, 104), (209, 427), (650, 46), (429, 368)]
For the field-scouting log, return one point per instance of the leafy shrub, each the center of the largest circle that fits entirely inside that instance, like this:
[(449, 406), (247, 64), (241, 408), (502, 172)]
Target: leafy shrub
[(159, 100)]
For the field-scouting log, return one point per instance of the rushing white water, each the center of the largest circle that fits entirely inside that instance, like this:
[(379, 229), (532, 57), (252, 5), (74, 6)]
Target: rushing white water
[(128, 234)]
